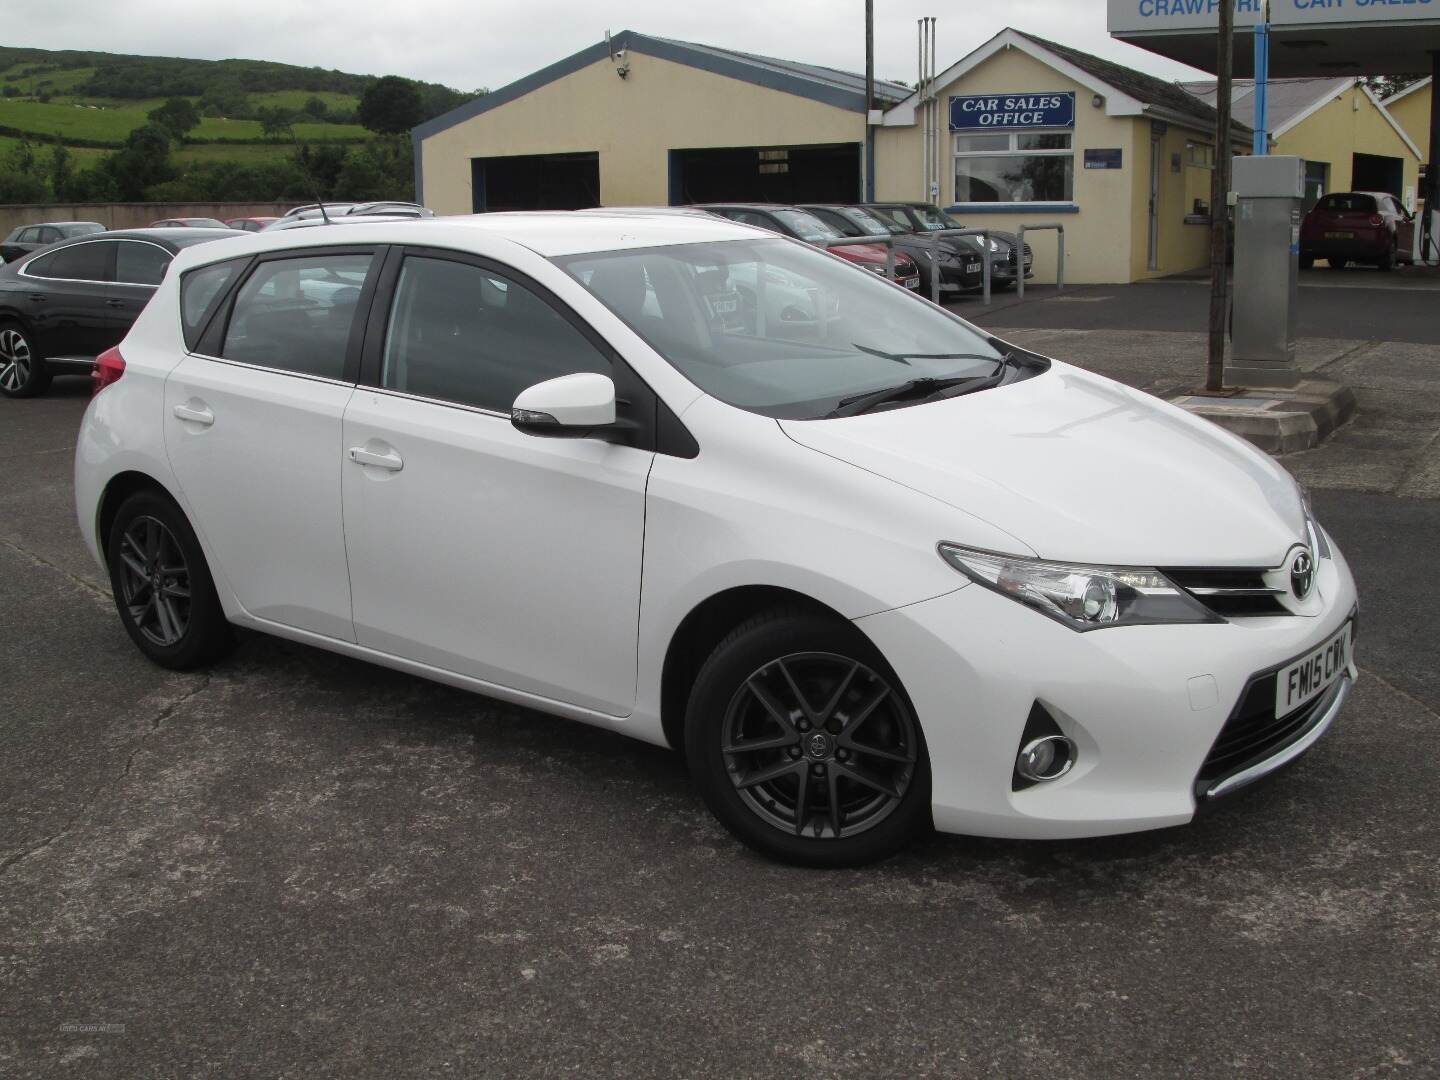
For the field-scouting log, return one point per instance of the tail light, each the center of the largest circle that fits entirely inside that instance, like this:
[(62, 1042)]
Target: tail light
[(1376, 219), (109, 366)]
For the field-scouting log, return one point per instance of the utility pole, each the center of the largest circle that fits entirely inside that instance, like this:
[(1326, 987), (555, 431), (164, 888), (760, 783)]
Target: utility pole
[(869, 100), (1219, 200)]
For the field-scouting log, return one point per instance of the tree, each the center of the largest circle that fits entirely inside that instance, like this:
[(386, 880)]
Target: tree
[(224, 98), (275, 123), (20, 182), (177, 116), (390, 106), (143, 160), (315, 108), (62, 171)]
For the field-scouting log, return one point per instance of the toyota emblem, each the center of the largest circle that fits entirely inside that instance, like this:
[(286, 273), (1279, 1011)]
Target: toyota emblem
[(1302, 575)]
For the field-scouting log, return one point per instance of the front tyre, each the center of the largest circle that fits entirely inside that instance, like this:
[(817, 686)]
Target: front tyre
[(803, 744), (162, 585)]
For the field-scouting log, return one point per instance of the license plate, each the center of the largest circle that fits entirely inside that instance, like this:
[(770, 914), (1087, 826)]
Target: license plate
[(972, 268), (723, 304), (1339, 236), (910, 282), (1309, 676)]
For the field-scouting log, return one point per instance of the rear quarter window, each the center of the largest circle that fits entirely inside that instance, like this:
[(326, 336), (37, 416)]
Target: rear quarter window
[(200, 294)]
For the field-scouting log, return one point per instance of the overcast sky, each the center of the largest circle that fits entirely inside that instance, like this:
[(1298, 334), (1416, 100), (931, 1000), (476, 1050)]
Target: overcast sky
[(473, 43)]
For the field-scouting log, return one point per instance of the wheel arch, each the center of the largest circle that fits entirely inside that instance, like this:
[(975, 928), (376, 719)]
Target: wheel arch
[(119, 488), (703, 628)]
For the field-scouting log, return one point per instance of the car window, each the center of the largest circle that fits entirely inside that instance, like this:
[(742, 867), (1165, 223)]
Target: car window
[(807, 226), (465, 334), (296, 314), (28, 236), (1348, 201), (200, 292), (83, 228), (79, 262), (779, 328), (50, 236), (140, 264), (894, 215)]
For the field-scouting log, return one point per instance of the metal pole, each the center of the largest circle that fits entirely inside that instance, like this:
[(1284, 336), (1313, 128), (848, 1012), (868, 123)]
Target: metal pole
[(1430, 225), (934, 192), (934, 269), (920, 96), (1060, 259), (985, 266), (869, 100), (1261, 145), (1220, 201)]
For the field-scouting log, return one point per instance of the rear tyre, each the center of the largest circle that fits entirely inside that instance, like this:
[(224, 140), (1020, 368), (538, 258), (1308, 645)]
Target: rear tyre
[(1337, 263), (22, 371), (1387, 261), (804, 745), (162, 585)]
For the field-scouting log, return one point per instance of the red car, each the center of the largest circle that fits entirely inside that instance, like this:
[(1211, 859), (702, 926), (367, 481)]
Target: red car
[(250, 224), (188, 222), (801, 224), (1358, 226)]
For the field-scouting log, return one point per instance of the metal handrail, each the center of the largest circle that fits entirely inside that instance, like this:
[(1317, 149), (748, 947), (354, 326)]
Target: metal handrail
[(846, 241), (1059, 256)]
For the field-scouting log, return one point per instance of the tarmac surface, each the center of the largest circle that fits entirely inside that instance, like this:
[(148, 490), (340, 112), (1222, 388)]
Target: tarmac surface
[(301, 865)]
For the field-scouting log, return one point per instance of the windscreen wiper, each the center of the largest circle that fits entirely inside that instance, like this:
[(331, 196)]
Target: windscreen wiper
[(905, 358), (923, 387)]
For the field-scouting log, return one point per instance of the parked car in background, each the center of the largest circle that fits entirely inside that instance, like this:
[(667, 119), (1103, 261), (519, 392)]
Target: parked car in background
[(961, 269), (884, 580), (1358, 226), (801, 224), (27, 238), (923, 217), (62, 307), (389, 207), (313, 220), (249, 224), (188, 223)]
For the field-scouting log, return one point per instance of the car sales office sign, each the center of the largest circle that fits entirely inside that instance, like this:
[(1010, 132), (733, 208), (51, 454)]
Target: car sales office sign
[(1006, 112)]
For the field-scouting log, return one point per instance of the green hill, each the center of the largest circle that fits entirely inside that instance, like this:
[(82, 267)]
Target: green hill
[(91, 101)]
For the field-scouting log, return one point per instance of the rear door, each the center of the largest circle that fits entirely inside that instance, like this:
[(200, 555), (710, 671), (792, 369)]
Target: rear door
[(140, 266), (252, 428), (69, 308)]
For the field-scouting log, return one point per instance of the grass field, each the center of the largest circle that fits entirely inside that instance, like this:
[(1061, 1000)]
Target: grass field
[(242, 155), (111, 125)]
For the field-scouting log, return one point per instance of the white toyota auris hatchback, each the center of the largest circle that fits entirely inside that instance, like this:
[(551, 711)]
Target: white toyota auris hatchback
[(867, 565)]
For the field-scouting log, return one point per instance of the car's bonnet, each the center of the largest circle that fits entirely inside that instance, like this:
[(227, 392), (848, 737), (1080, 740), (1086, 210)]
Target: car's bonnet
[(1082, 469)]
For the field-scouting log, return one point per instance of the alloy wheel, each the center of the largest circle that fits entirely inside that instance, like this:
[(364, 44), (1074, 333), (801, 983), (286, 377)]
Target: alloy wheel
[(15, 359), (155, 581), (819, 745)]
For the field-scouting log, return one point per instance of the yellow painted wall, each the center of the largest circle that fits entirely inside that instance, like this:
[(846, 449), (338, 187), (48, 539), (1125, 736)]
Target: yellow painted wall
[(1412, 112), (1103, 238), (632, 123), (1351, 124)]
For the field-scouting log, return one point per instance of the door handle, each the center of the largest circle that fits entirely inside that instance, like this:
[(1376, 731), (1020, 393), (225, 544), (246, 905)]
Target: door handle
[(195, 414), (36, 298), (114, 303), (388, 460)]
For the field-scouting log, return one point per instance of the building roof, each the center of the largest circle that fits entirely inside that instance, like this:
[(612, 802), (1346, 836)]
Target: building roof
[(1150, 90), (842, 89), (1290, 100), (1127, 92)]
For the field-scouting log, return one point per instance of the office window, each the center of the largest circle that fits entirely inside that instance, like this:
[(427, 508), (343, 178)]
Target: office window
[(1015, 166)]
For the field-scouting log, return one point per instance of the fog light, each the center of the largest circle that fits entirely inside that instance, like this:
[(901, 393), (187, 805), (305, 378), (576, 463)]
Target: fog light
[(1047, 758)]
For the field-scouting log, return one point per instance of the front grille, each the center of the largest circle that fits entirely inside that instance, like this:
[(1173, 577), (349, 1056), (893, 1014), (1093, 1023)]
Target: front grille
[(1254, 733), (1231, 593)]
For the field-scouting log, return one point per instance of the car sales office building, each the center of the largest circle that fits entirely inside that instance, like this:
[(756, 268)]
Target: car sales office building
[(1026, 131)]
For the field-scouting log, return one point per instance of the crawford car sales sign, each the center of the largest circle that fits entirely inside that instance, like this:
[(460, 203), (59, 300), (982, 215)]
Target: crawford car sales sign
[(1009, 111)]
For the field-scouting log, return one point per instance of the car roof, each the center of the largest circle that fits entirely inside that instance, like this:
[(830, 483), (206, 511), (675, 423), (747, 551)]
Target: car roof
[(549, 233), (56, 224)]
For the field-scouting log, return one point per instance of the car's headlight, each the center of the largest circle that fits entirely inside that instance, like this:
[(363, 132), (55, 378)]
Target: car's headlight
[(1081, 597), (1318, 541)]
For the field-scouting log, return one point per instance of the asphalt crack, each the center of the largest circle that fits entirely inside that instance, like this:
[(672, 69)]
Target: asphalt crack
[(88, 587), (165, 713)]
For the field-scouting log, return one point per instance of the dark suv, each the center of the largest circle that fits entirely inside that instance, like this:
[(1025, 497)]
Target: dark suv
[(923, 217), (960, 266), (27, 238)]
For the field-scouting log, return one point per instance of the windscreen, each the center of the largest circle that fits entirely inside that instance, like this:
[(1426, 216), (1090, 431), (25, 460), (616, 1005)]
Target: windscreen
[(778, 328)]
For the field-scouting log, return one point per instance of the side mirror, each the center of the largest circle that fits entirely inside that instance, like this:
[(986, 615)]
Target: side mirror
[(568, 407)]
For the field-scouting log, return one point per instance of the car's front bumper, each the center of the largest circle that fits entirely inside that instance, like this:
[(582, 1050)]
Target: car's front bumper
[(1143, 704)]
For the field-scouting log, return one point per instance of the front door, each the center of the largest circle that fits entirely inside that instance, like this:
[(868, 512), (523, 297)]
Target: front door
[(253, 436), (1152, 258), (71, 313), (473, 547)]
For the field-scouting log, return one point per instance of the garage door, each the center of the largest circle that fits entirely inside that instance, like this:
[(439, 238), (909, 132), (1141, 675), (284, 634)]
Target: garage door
[(1372, 172), (536, 182), (780, 174)]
